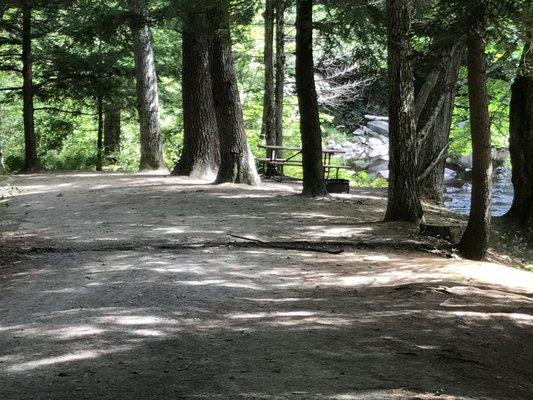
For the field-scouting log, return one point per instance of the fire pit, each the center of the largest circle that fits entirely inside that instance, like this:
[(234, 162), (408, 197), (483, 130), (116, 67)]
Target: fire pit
[(338, 185)]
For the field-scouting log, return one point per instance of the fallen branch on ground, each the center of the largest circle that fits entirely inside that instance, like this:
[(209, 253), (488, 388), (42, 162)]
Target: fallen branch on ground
[(306, 246)]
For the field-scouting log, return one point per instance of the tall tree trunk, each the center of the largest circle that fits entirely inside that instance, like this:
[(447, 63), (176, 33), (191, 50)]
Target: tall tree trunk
[(3, 168), (475, 241), (521, 142), (268, 130), (404, 196), (280, 69), (237, 162), (200, 157), (310, 131), (434, 125), (31, 160), (147, 90), (99, 141), (111, 128)]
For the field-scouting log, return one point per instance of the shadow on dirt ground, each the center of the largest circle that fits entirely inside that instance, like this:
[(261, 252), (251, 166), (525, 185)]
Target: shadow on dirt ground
[(91, 308)]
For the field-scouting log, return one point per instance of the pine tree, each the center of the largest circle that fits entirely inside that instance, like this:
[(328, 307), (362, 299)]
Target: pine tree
[(475, 241), (237, 164), (280, 69), (404, 196), (521, 135), (201, 154), (147, 88), (268, 130), (313, 170)]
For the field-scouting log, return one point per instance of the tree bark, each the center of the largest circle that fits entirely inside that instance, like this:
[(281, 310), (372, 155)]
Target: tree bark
[(310, 131), (404, 196), (31, 159), (475, 241), (3, 168), (111, 128), (423, 95), (200, 157), (237, 164), (99, 141), (521, 142), (268, 130), (438, 106), (280, 69), (147, 90)]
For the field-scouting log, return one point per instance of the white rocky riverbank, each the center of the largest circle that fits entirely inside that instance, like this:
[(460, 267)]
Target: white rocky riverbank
[(368, 150)]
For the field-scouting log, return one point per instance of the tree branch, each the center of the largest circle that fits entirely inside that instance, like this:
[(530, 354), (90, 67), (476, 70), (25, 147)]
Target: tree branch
[(497, 64), (6, 89), (54, 109), (434, 163), (425, 91), (10, 68), (12, 41)]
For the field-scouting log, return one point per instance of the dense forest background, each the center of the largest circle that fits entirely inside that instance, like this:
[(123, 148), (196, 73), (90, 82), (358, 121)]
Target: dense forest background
[(82, 54)]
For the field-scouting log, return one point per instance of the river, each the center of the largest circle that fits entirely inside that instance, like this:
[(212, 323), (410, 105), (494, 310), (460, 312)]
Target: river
[(458, 198)]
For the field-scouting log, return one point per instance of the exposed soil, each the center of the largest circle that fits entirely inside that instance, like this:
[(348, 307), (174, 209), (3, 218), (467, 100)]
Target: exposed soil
[(149, 287)]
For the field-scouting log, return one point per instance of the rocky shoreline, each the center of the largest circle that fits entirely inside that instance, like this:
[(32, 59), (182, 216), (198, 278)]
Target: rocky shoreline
[(368, 150)]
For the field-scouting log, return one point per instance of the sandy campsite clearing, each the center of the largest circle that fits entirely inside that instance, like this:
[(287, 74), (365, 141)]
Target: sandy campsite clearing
[(116, 286)]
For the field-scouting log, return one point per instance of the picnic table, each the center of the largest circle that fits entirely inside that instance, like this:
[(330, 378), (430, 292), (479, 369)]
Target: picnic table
[(278, 159)]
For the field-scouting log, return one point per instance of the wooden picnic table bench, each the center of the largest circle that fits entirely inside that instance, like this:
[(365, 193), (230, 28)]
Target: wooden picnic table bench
[(275, 161)]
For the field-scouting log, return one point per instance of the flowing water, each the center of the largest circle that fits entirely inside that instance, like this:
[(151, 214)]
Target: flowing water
[(458, 198)]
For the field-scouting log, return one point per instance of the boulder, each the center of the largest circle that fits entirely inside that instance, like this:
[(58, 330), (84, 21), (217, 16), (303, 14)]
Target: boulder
[(366, 129), (383, 174), (459, 163), (330, 143), (354, 163), (376, 118), (466, 161), (381, 151), (377, 165), (359, 152), (346, 145), (500, 156), (383, 138), (449, 174), (375, 141), (381, 127)]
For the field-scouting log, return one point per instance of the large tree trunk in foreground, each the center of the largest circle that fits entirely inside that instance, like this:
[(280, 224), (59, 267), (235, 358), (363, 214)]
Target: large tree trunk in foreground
[(434, 124), (404, 196), (147, 90), (521, 142), (475, 241), (237, 163), (280, 69), (111, 128), (268, 130), (31, 160), (200, 157), (310, 131), (100, 137)]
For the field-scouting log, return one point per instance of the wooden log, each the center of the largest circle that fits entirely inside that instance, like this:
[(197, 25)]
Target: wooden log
[(445, 232)]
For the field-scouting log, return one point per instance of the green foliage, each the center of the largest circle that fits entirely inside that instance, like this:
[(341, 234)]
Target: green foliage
[(505, 57), (83, 51), (499, 113), (364, 179)]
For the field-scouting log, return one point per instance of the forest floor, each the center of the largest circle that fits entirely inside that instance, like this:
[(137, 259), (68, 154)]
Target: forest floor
[(149, 287)]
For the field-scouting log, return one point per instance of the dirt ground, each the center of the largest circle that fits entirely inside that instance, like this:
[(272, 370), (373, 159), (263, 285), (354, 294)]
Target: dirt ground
[(150, 287)]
